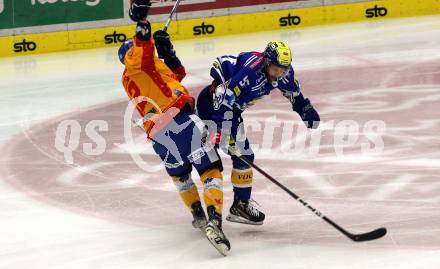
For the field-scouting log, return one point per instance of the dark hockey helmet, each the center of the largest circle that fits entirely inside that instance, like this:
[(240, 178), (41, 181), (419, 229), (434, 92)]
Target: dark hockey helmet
[(123, 49)]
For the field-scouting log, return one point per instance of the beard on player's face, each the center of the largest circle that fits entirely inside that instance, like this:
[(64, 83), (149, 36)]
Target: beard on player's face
[(275, 72)]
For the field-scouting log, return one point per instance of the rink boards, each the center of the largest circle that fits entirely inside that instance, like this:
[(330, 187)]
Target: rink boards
[(222, 25)]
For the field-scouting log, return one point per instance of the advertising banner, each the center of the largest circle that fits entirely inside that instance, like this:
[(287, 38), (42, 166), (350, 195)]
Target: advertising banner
[(207, 21), (24, 13), (163, 6)]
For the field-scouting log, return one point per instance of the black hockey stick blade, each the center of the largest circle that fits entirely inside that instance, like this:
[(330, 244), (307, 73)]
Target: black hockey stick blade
[(376, 234)]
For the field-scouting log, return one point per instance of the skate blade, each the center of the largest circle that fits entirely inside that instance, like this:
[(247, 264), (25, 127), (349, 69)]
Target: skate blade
[(222, 248), (238, 219)]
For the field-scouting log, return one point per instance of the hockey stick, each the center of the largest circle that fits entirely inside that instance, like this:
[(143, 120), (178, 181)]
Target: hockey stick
[(376, 234), (171, 15), (373, 235)]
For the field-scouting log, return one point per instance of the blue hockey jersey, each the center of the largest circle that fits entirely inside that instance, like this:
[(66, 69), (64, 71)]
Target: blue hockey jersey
[(243, 81)]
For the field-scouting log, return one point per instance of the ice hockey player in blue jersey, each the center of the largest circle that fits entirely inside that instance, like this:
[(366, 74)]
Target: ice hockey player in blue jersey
[(238, 82)]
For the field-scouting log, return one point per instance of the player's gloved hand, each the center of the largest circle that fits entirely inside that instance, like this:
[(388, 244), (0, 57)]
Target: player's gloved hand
[(165, 49), (227, 144), (216, 139), (139, 10), (309, 115), (143, 30), (233, 148)]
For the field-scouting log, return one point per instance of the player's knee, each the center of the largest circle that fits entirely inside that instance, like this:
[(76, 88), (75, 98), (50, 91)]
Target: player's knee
[(242, 178), (187, 189), (183, 183), (212, 180), (212, 172)]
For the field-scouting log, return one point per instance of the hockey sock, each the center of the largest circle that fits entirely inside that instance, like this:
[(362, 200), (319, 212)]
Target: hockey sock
[(242, 181), (213, 189), (187, 189)]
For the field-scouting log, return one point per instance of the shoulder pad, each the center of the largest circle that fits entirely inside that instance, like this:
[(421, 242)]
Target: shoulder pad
[(257, 61)]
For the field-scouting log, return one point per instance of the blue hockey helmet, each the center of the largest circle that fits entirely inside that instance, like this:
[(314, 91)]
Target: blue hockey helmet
[(124, 48), (278, 53)]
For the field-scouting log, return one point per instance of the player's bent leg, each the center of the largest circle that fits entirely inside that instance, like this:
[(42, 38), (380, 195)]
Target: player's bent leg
[(243, 209), (190, 197), (213, 195), (167, 144), (241, 174), (206, 160), (212, 180), (242, 179)]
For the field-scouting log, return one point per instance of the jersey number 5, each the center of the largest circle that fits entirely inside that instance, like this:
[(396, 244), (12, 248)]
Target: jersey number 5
[(244, 82)]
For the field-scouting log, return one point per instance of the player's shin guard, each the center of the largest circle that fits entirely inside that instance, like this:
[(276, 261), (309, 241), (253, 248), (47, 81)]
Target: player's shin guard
[(190, 196), (243, 210), (242, 181), (187, 190), (213, 189)]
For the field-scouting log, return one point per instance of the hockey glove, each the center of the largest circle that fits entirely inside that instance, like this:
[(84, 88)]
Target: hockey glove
[(308, 114), (227, 145), (139, 10), (165, 49)]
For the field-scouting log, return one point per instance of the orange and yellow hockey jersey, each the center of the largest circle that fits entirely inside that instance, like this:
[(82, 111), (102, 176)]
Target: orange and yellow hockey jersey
[(154, 88)]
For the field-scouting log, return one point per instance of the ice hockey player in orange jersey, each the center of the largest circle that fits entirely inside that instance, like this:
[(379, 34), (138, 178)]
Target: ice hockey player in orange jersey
[(177, 134)]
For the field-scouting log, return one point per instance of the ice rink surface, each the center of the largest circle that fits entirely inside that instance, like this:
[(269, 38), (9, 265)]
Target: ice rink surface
[(104, 211)]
